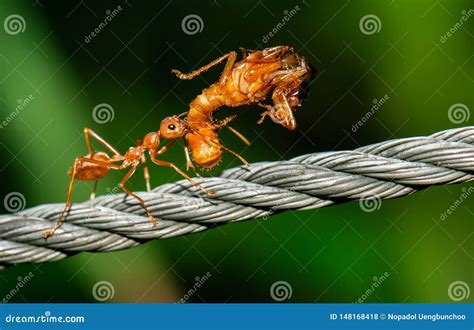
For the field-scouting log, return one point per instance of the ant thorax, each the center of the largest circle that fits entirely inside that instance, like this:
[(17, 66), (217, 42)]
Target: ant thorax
[(134, 153)]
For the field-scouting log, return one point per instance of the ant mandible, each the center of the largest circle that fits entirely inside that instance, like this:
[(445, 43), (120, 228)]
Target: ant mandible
[(278, 70), (96, 164)]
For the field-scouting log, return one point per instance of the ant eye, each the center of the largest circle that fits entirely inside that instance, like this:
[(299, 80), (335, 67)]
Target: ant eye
[(171, 127)]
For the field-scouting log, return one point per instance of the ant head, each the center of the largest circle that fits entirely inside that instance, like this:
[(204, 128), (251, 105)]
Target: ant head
[(291, 60), (172, 127), (151, 141)]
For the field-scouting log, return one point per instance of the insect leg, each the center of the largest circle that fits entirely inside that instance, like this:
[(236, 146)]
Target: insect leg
[(228, 68), (94, 190), (107, 164), (77, 162), (195, 73), (48, 233), (242, 159), (224, 122), (146, 173), (88, 131), (184, 175), (189, 162), (268, 109), (282, 112), (165, 148), (239, 135), (128, 192)]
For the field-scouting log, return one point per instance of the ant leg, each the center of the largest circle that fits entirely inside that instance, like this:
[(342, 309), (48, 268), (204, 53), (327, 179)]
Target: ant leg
[(268, 108), (128, 192), (224, 122), (57, 224), (262, 117), (88, 131), (146, 173), (165, 148), (107, 164), (239, 135), (195, 73), (282, 112), (189, 162), (77, 162), (228, 68), (184, 175), (94, 190), (242, 159)]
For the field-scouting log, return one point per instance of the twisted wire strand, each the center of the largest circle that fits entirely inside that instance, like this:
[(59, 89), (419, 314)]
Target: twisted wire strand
[(387, 169)]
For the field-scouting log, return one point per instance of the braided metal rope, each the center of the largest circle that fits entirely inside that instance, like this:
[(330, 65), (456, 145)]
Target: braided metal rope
[(384, 170)]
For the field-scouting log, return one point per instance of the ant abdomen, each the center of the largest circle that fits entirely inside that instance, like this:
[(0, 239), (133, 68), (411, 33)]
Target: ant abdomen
[(205, 148), (86, 171)]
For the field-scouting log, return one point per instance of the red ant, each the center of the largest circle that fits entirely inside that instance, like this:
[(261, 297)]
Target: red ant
[(278, 70), (96, 164)]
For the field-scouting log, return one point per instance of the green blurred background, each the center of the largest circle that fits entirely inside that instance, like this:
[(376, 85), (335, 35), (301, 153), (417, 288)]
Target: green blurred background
[(327, 255)]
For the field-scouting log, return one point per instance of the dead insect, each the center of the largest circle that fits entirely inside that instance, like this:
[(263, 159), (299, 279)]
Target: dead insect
[(96, 164), (277, 70)]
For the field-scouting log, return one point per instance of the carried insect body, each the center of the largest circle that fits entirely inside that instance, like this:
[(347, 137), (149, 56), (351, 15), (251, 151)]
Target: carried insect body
[(277, 70)]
